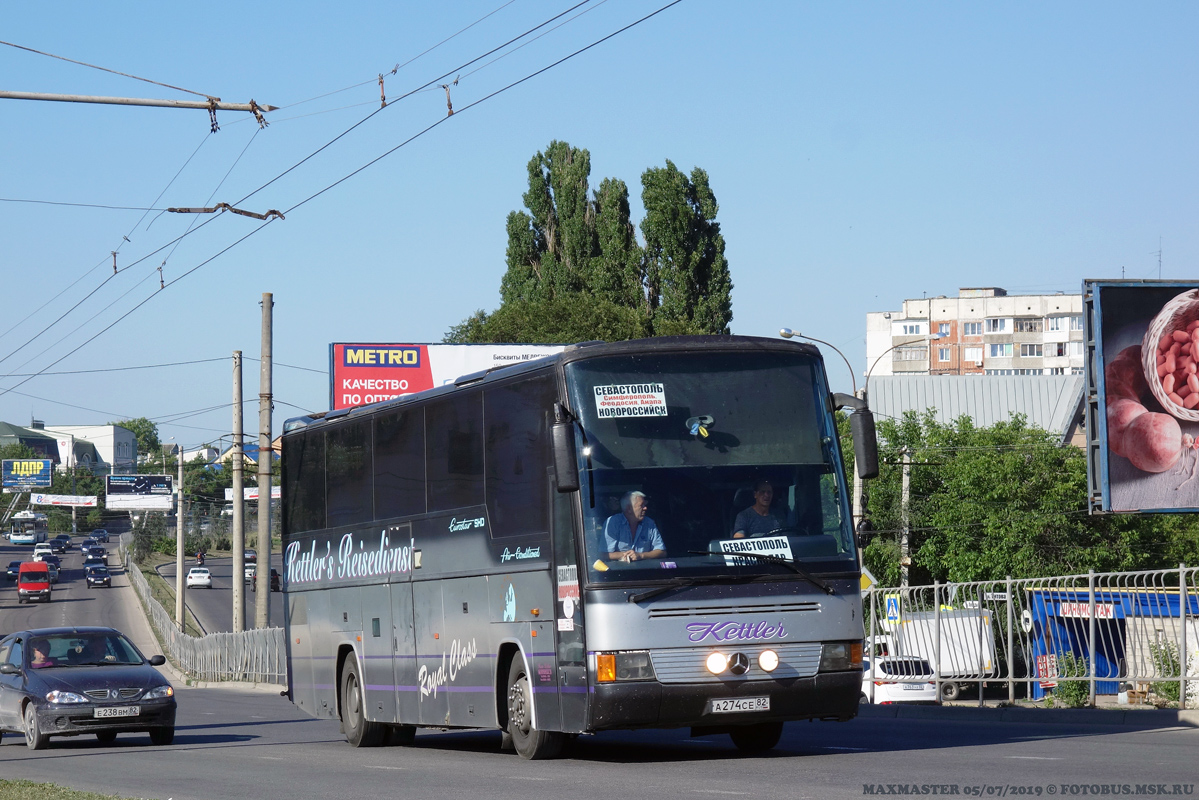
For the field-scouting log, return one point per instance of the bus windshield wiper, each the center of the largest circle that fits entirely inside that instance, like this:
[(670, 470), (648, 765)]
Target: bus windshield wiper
[(676, 583), (790, 563)]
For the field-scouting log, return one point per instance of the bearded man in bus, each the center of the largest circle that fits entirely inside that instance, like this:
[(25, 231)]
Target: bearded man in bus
[(630, 535)]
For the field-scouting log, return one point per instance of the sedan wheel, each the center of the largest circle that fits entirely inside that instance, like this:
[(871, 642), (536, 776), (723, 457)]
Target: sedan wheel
[(34, 738)]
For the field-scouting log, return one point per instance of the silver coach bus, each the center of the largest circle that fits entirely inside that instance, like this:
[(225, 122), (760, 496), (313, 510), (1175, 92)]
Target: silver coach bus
[(449, 561)]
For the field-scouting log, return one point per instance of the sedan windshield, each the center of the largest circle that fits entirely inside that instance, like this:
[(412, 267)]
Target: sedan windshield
[(81, 650), (709, 464)]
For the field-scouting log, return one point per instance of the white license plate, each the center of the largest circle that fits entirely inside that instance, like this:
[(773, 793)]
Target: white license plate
[(732, 705), (914, 687), (117, 711)]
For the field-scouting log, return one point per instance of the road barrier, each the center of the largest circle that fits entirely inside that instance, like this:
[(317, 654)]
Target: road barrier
[(1104, 633), (257, 655)]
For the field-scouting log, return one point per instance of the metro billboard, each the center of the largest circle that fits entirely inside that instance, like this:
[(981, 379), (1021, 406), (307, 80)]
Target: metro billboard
[(1143, 380), (360, 373)]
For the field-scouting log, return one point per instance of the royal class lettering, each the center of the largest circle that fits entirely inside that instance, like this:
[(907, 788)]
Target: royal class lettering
[(730, 631), (520, 554), (382, 356), (466, 524), (452, 664), (354, 559)]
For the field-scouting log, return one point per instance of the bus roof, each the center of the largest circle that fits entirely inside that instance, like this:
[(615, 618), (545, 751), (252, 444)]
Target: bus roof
[(573, 352)]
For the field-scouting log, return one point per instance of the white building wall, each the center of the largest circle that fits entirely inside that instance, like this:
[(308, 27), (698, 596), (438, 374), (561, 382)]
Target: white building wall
[(116, 446)]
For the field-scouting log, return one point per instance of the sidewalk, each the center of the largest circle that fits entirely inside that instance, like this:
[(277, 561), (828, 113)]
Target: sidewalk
[(1103, 715)]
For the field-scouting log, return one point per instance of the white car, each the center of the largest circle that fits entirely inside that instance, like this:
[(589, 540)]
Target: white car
[(199, 576), (42, 549), (251, 572), (898, 679)]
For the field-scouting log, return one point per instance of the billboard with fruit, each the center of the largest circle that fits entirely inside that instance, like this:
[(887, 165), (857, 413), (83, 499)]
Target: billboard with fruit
[(1144, 373)]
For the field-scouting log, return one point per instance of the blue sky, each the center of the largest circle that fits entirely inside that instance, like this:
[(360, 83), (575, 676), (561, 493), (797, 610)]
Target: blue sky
[(862, 153)]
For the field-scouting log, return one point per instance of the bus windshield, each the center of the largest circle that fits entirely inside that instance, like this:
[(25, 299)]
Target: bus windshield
[(703, 463)]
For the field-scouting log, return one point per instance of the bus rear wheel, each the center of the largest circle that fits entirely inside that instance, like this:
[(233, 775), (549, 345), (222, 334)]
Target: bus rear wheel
[(757, 738), (529, 742), (360, 732)]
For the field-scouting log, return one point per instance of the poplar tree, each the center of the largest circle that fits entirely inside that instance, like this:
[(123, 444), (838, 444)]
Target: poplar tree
[(576, 271)]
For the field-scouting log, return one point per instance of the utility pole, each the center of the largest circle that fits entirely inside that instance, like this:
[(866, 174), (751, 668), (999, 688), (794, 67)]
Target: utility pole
[(905, 559), (262, 608), (180, 579), (239, 519)]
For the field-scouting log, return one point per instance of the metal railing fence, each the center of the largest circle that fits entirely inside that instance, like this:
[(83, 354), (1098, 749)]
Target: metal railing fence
[(1131, 632), (257, 655)]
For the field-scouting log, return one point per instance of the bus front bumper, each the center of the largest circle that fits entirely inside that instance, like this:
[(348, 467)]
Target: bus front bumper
[(650, 704)]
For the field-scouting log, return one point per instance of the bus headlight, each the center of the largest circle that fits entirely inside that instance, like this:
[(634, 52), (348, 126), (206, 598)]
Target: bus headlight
[(840, 656), (768, 660), (717, 663), (634, 665)]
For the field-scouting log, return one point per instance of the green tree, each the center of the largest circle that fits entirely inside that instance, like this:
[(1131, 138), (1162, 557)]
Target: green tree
[(575, 270), (1003, 500), (687, 274), (146, 433)]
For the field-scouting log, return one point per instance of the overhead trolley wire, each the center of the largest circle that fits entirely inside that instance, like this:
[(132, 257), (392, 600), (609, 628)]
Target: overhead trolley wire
[(365, 166), (112, 71)]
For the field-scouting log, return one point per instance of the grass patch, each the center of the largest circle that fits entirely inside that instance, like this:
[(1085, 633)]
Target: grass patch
[(164, 593), (28, 790)]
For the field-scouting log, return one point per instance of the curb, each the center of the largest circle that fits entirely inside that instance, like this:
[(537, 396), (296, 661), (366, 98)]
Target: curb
[(1144, 718)]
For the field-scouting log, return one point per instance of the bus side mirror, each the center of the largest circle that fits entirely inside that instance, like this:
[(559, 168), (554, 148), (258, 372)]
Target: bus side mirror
[(566, 461), (865, 443)]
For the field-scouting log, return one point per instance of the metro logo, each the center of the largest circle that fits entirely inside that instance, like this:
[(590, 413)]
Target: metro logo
[(382, 356)]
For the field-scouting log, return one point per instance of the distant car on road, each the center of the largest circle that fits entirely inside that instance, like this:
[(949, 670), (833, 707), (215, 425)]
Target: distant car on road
[(33, 582), (95, 561), (42, 549), (100, 535), (199, 576), (251, 556), (73, 681), (251, 572), (899, 679), (87, 545), (276, 582), (53, 564), (61, 543), (14, 567), (98, 576)]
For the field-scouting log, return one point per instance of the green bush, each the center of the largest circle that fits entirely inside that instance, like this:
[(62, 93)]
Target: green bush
[(1072, 693), (1166, 663)]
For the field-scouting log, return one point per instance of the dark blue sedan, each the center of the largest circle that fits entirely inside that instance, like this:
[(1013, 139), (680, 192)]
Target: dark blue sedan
[(73, 681), (14, 568)]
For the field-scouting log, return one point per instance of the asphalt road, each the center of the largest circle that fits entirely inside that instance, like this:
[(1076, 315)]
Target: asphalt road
[(253, 744), (73, 603), (214, 607)]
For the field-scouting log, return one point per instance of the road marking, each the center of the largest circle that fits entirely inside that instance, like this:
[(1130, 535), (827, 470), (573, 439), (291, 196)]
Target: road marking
[(717, 791), (273, 758), (380, 766), (1036, 758), (525, 778)]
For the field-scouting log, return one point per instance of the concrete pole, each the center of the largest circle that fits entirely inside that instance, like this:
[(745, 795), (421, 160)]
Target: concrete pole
[(904, 555), (239, 519), (262, 608), (180, 577)]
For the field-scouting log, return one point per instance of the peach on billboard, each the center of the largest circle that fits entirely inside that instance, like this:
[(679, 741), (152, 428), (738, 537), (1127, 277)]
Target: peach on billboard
[(1146, 365)]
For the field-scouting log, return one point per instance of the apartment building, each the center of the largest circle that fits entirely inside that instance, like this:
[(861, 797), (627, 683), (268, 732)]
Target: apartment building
[(982, 331)]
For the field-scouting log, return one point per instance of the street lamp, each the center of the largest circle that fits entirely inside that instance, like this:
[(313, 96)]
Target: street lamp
[(787, 333), (932, 337)]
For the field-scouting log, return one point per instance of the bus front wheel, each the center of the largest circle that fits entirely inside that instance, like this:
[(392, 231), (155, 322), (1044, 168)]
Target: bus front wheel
[(529, 742), (757, 738), (360, 732)]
